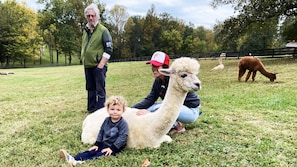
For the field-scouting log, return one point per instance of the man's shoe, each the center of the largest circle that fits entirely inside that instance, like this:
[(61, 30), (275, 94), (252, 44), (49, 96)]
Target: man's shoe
[(177, 129)]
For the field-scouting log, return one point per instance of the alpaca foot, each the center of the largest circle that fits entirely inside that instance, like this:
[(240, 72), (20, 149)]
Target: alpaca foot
[(177, 129)]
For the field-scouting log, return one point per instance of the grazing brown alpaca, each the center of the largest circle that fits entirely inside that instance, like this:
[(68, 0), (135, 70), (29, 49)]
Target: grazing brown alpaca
[(253, 64)]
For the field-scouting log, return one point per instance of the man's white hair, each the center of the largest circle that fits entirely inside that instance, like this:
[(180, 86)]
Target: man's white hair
[(93, 7)]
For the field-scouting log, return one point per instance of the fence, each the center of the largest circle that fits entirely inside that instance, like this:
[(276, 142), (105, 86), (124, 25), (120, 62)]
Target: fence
[(276, 53)]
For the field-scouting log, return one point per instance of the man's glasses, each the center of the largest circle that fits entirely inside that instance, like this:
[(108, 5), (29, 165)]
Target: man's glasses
[(89, 15)]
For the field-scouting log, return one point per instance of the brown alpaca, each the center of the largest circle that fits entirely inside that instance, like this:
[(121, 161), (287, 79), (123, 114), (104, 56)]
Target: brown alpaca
[(253, 64)]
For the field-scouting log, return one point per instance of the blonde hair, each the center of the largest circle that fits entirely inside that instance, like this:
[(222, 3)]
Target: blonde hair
[(116, 100)]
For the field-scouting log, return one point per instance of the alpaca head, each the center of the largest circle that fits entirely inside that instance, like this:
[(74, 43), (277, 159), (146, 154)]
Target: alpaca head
[(273, 77), (183, 72)]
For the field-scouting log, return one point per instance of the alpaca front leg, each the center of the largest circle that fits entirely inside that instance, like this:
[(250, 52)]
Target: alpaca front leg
[(166, 139), (254, 75), (248, 76)]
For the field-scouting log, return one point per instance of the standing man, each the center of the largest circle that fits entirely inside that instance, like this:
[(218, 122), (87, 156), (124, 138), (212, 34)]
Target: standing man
[(95, 53)]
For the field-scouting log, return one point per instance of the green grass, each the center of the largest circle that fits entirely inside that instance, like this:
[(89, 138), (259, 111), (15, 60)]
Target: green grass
[(243, 124)]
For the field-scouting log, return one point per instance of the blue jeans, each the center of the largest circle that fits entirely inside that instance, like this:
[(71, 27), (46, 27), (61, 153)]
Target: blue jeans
[(89, 155), (186, 114), (95, 85)]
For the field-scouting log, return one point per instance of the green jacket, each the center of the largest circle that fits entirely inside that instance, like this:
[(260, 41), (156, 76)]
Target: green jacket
[(94, 44)]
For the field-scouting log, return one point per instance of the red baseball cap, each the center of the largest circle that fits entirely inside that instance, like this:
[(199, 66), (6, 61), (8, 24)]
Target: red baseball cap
[(159, 58)]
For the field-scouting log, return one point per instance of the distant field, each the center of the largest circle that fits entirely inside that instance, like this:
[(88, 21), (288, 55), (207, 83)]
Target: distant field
[(243, 124), (43, 60)]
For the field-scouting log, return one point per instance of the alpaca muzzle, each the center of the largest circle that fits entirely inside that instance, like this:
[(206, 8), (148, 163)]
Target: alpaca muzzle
[(197, 86)]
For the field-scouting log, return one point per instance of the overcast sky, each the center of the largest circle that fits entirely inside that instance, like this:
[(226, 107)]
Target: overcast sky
[(198, 12)]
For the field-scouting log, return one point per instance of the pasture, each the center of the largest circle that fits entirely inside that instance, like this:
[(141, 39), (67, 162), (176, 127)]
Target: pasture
[(243, 124)]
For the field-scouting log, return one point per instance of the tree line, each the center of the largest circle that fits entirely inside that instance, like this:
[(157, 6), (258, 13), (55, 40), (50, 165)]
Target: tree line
[(59, 25)]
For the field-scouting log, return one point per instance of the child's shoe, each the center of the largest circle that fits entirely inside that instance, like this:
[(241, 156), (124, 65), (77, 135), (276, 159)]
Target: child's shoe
[(64, 155), (78, 162)]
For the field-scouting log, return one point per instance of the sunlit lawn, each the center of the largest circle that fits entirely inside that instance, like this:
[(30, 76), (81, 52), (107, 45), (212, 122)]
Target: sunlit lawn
[(243, 124)]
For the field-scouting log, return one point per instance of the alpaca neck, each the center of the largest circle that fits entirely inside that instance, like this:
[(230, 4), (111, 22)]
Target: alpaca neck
[(168, 112), (220, 61), (265, 73)]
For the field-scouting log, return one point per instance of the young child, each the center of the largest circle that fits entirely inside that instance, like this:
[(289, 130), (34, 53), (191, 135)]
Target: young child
[(112, 137)]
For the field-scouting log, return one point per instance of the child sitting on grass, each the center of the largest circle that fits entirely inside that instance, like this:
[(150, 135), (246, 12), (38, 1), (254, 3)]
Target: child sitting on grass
[(112, 137)]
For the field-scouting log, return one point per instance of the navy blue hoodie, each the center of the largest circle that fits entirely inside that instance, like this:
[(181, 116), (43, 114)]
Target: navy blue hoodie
[(159, 90)]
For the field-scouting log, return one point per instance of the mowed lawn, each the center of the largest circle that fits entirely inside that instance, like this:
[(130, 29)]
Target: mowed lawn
[(243, 124)]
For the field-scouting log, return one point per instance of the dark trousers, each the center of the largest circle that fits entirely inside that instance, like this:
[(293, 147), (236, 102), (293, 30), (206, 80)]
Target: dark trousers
[(95, 85), (89, 155)]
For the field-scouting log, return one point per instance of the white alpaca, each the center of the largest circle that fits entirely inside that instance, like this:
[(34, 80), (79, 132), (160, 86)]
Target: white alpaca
[(150, 130), (221, 65)]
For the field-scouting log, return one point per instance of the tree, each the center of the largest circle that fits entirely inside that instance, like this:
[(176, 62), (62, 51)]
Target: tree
[(262, 38), (169, 24), (194, 45), (173, 40), (289, 29), (250, 13), (48, 23), (117, 19), (134, 38), (18, 38), (210, 41), (227, 36), (62, 24), (150, 26)]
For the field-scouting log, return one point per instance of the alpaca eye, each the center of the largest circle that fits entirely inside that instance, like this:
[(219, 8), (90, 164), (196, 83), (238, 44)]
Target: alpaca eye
[(183, 75)]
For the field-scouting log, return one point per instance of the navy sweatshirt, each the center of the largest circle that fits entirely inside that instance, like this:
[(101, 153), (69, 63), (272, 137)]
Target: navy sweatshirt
[(159, 90), (113, 135)]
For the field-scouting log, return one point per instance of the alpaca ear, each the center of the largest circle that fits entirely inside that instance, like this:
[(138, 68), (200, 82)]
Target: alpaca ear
[(166, 72)]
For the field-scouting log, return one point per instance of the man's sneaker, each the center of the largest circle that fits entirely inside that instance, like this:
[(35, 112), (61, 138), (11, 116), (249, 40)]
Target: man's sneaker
[(64, 155)]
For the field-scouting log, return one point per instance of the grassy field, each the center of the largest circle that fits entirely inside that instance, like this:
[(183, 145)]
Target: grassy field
[(243, 124)]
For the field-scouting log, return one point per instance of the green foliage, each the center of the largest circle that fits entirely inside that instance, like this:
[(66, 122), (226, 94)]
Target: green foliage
[(289, 29), (259, 36), (118, 17), (252, 15), (243, 124), (18, 27), (60, 24), (172, 42)]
